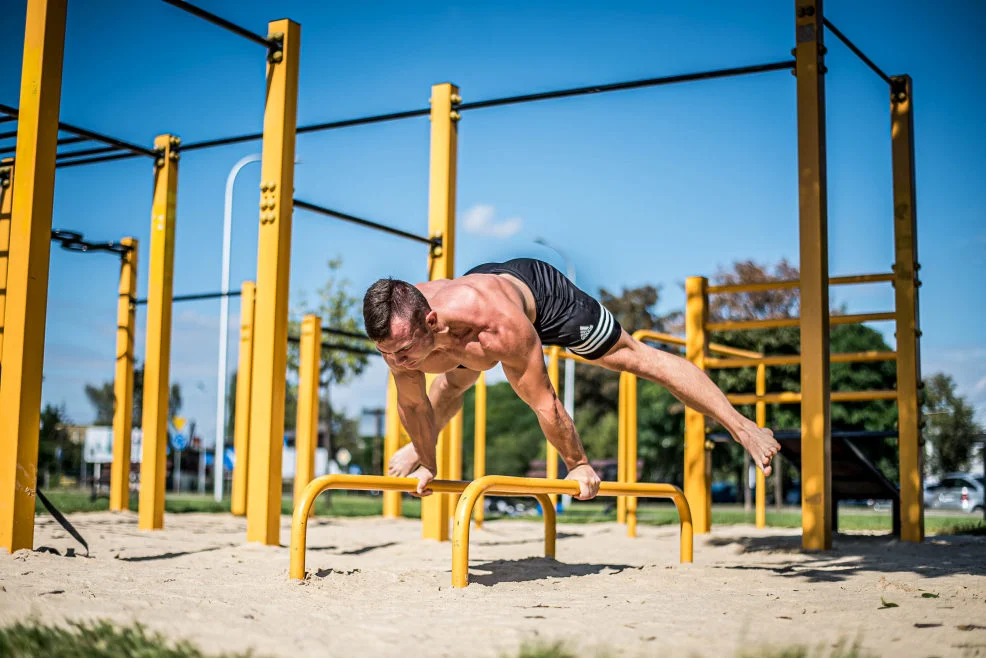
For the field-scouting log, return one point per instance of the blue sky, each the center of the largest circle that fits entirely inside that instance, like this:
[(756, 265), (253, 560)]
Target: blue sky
[(638, 187)]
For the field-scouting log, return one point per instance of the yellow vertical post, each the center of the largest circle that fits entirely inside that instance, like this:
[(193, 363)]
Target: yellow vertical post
[(123, 380), (306, 427), (550, 453), (273, 270), (435, 511), (908, 321), (816, 475), (631, 453), (27, 269), (455, 455), (479, 437), (698, 484), (157, 353), (621, 446), (391, 444), (761, 422), (244, 381), (6, 205)]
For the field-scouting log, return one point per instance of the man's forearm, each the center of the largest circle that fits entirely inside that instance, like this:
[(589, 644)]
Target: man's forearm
[(560, 432), (692, 386), (419, 421)]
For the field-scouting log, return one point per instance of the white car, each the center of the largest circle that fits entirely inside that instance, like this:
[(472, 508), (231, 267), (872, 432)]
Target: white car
[(956, 491)]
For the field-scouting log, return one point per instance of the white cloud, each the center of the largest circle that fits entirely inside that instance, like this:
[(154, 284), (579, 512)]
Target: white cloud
[(481, 220), (980, 386)]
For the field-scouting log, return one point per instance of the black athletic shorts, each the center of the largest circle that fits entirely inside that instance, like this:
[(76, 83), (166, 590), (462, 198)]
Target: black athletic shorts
[(564, 314)]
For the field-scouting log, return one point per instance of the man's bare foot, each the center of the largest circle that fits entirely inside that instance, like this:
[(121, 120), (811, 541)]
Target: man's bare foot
[(761, 445), (403, 462)]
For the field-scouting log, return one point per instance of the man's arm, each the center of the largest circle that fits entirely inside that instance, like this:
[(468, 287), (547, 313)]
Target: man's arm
[(418, 416)]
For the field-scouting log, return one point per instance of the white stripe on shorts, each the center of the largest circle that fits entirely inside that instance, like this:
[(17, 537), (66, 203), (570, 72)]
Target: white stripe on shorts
[(597, 337)]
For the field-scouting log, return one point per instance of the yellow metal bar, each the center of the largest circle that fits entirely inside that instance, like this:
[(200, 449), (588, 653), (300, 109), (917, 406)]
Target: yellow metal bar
[(299, 521), (550, 453), (454, 471), (792, 397), (816, 476), (647, 334), (6, 206), (908, 320), (435, 510), (795, 359), (391, 444), (244, 382), (123, 380), (631, 476), (157, 352), (795, 283), (761, 422), (698, 485), (27, 270), (479, 452), (513, 485), (862, 396), (306, 427), (273, 273), (774, 323), (621, 445)]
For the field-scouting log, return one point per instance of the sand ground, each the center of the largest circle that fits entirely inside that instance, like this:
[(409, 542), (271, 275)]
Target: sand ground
[(375, 588)]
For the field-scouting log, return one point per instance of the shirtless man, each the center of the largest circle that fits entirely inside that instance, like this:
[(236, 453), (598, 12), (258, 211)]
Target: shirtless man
[(504, 313)]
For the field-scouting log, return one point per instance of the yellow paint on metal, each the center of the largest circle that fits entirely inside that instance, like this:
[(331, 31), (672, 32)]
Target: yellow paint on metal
[(27, 270), (816, 475), (273, 274), (698, 485), (514, 485), (391, 444), (550, 453), (435, 510), (479, 451), (157, 352), (794, 283), (908, 320), (774, 323), (761, 422), (123, 380), (455, 454), (621, 445), (299, 521), (6, 205), (795, 359), (793, 397), (631, 439), (244, 382), (306, 426)]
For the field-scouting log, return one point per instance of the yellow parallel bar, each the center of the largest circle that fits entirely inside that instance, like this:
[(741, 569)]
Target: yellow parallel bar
[(273, 274), (27, 270), (764, 286), (6, 205), (123, 380), (816, 488), (774, 323), (455, 453), (244, 381), (631, 475), (621, 444), (513, 485), (435, 510), (479, 452), (908, 320), (391, 444), (157, 352), (791, 397), (795, 359), (550, 453), (698, 484), (299, 521), (761, 422), (306, 427)]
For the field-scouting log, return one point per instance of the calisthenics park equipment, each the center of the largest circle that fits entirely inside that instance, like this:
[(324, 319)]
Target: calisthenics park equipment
[(37, 154)]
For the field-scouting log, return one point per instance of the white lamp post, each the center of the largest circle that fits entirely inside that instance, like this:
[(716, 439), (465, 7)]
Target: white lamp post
[(569, 364)]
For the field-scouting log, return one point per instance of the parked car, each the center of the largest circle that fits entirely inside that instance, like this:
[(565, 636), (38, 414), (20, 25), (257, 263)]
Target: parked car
[(957, 491)]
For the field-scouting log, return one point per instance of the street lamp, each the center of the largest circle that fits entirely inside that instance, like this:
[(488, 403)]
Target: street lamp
[(569, 364)]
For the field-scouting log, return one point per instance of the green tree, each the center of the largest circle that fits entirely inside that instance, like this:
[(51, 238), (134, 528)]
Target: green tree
[(513, 436), (56, 454), (951, 428), (103, 400)]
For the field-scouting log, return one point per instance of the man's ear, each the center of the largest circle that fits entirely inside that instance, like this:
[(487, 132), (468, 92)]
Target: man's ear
[(431, 319)]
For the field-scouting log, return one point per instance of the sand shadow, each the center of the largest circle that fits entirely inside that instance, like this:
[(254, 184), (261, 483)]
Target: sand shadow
[(367, 549), (69, 552), (536, 568), (169, 556), (853, 554), (532, 540)]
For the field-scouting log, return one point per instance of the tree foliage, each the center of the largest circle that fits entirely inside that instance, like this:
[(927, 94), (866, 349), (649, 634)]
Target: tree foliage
[(951, 429)]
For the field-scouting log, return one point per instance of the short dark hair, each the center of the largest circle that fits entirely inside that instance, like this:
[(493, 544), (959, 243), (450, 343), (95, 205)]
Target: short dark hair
[(389, 297)]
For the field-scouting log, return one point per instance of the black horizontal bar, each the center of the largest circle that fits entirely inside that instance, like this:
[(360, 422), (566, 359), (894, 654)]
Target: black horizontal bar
[(103, 158), (196, 297), (362, 222), (634, 84), (60, 157), (217, 20), (859, 53), (8, 134), (62, 142), (340, 347), (82, 132), (343, 332), (6, 119)]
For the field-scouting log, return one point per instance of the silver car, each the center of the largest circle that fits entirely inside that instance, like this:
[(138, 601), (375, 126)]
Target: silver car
[(956, 491)]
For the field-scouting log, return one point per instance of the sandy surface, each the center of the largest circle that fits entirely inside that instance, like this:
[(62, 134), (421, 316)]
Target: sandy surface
[(376, 589)]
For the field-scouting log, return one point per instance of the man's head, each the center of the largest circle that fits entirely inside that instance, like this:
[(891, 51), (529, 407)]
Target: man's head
[(400, 321)]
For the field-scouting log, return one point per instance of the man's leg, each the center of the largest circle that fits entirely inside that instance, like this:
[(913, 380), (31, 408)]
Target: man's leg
[(445, 395), (695, 389)]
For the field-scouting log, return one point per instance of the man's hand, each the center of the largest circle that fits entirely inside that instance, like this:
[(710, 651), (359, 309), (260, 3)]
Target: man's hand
[(424, 479), (588, 481)]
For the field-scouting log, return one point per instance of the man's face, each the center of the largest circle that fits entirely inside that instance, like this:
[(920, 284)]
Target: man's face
[(407, 346)]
